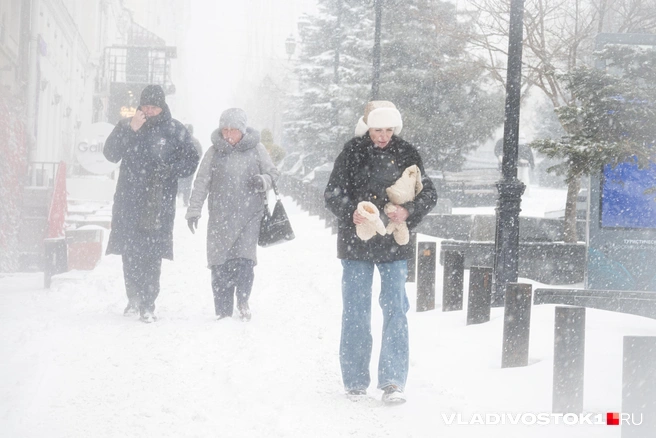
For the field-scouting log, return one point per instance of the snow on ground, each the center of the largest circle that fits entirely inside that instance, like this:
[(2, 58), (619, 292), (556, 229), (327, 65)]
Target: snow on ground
[(73, 366)]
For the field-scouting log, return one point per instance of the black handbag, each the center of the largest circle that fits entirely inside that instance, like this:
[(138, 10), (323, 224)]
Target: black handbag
[(275, 226)]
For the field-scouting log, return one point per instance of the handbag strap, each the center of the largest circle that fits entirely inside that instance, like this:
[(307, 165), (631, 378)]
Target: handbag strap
[(275, 190)]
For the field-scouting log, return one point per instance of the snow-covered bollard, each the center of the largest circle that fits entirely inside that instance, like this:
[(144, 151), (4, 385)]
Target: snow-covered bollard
[(55, 259), (426, 262), (638, 417), (569, 358), (516, 325), (454, 271), (480, 295)]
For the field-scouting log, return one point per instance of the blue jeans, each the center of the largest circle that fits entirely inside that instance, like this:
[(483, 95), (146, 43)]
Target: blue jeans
[(356, 342)]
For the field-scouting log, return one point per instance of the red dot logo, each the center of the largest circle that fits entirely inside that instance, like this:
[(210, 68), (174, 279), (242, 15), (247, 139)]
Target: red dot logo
[(612, 418)]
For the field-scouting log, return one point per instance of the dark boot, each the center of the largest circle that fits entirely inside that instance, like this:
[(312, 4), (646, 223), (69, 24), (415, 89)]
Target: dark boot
[(244, 277), (223, 290)]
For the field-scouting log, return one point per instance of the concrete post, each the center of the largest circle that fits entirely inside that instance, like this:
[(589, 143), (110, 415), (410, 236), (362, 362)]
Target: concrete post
[(516, 325), (426, 261), (480, 294), (638, 417), (569, 359), (454, 272)]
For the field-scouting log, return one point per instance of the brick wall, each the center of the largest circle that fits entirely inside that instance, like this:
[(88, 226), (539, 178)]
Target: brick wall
[(13, 174)]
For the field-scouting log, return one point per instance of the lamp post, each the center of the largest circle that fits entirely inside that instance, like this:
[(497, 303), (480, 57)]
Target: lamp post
[(510, 189), (375, 83), (290, 46)]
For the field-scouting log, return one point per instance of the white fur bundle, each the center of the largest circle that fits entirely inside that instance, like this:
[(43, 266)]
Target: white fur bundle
[(403, 190), (373, 225)]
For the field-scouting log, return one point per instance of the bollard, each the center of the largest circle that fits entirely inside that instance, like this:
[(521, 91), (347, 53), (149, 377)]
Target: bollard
[(516, 325), (480, 294), (426, 260), (412, 261), (569, 359), (454, 271), (638, 417), (56, 259)]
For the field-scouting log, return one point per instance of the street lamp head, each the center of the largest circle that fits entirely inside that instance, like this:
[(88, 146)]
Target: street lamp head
[(290, 46)]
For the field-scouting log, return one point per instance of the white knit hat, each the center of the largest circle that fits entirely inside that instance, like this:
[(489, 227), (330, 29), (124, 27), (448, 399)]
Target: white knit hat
[(379, 114)]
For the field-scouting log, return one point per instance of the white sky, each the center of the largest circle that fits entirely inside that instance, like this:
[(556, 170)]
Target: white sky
[(232, 45), (73, 367)]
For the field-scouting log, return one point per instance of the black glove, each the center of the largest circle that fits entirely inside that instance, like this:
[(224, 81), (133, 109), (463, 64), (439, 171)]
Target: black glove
[(192, 223), (256, 183)]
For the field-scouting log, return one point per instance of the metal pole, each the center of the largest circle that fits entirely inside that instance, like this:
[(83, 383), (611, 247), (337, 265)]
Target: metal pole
[(337, 42), (375, 83), (510, 188)]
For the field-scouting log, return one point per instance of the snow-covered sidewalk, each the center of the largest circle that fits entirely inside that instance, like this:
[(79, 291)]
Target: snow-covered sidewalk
[(72, 366)]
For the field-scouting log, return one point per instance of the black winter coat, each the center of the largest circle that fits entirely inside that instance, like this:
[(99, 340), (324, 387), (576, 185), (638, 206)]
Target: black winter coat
[(361, 173), (152, 160)]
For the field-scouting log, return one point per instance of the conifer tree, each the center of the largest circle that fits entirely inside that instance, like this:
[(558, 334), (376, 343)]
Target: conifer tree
[(441, 92), (334, 76), (442, 95), (610, 119)]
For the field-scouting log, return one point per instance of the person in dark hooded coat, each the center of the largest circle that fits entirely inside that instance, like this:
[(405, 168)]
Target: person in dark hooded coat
[(184, 184), (154, 150), (235, 175)]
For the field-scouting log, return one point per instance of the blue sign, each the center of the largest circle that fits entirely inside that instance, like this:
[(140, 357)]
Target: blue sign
[(628, 197), (622, 229)]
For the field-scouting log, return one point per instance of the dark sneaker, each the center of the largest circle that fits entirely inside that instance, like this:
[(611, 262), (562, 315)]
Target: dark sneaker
[(147, 317), (393, 395), (244, 312), (132, 309)]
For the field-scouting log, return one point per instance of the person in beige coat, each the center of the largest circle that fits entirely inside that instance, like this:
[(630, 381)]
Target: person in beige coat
[(234, 176)]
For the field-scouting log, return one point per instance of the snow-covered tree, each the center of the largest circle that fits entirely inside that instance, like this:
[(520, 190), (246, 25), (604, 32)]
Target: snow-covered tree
[(559, 38), (440, 91), (609, 120), (447, 104), (334, 77)]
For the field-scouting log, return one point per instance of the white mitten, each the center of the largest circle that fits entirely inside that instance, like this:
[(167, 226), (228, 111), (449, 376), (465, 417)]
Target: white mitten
[(373, 225), (398, 229)]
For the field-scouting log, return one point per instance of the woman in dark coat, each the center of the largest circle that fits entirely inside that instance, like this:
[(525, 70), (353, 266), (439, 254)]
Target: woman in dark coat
[(155, 150), (369, 164)]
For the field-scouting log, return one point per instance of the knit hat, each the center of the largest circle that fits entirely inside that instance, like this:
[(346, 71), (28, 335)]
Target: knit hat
[(233, 118), (153, 95), (379, 114)]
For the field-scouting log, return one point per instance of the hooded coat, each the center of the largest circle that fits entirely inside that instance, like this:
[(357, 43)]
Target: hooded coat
[(235, 209), (152, 159), (362, 172)]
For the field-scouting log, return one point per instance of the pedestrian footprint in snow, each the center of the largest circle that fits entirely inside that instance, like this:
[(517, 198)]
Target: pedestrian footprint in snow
[(235, 174), (373, 235), (154, 150)]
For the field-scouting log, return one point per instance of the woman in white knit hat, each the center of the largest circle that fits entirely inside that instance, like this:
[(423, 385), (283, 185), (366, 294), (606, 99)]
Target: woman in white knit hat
[(370, 163)]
